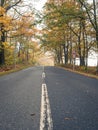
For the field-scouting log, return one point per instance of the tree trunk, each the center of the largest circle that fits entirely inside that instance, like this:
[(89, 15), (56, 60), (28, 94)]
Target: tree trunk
[(86, 56), (82, 61), (61, 60), (65, 48), (2, 56), (70, 48), (97, 50)]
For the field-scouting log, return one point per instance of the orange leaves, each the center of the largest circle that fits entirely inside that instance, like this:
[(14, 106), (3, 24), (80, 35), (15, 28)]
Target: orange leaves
[(2, 11), (23, 26), (5, 20)]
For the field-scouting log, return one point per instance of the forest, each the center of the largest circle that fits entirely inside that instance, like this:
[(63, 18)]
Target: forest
[(17, 31), (69, 29)]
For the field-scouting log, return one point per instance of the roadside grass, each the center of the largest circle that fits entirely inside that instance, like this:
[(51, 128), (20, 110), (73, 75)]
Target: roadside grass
[(90, 71), (6, 69)]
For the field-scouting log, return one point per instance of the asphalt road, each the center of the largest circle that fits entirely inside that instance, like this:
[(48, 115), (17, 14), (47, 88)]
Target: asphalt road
[(20, 94), (48, 98)]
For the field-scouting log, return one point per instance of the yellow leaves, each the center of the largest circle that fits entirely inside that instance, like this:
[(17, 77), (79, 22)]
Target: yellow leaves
[(6, 45), (8, 49), (23, 26), (5, 21), (2, 11), (20, 26)]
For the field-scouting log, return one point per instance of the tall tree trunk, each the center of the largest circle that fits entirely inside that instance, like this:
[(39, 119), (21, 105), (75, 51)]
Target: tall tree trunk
[(97, 51), (57, 56), (70, 44), (84, 45), (86, 56), (2, 56), (3, 38), (61, 60), (82, 59), (65, 48)]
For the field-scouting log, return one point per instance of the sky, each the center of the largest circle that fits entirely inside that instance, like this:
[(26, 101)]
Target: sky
[(38, 4)]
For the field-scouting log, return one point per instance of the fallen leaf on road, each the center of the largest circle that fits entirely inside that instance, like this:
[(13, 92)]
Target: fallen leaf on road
[(68, 118), (33, 114)]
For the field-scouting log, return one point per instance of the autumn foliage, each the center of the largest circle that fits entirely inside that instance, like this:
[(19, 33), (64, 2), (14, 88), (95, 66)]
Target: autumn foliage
[(71, 30), (17, 31)]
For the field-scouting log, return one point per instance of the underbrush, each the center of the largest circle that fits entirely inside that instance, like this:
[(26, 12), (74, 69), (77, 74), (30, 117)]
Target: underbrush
[(88, 70), (5, 69)]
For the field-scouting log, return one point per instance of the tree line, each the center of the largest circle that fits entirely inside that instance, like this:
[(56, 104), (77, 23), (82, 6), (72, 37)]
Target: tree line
[(17, 31), (70, 30)]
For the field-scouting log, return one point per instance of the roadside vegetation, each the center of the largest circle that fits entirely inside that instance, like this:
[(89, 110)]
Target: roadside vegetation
[(90, 72), (18, 48), (71, 30)]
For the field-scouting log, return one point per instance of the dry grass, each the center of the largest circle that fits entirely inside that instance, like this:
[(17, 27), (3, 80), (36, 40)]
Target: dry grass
[(6, 69), (90, 71)]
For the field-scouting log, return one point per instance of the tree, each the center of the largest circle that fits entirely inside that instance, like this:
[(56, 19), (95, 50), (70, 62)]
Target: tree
[(69, 19), (17, 28), (5, 6), (91, 11)]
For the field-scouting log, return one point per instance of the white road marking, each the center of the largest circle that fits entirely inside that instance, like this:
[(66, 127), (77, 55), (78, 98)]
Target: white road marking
[(43, 75), (49, 116), (45, 117)]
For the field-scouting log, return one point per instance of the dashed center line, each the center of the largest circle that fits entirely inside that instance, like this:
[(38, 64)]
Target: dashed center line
[(43, 75), (46, 122)]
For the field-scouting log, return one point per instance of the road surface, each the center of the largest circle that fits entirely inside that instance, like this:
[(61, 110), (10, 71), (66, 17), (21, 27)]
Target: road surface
[(48, 98)]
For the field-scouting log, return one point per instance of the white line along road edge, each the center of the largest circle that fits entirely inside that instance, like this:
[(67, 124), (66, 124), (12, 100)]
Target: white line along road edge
[(45, 117)]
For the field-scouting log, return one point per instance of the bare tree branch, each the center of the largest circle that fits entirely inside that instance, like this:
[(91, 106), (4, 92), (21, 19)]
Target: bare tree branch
[(9, 7)]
